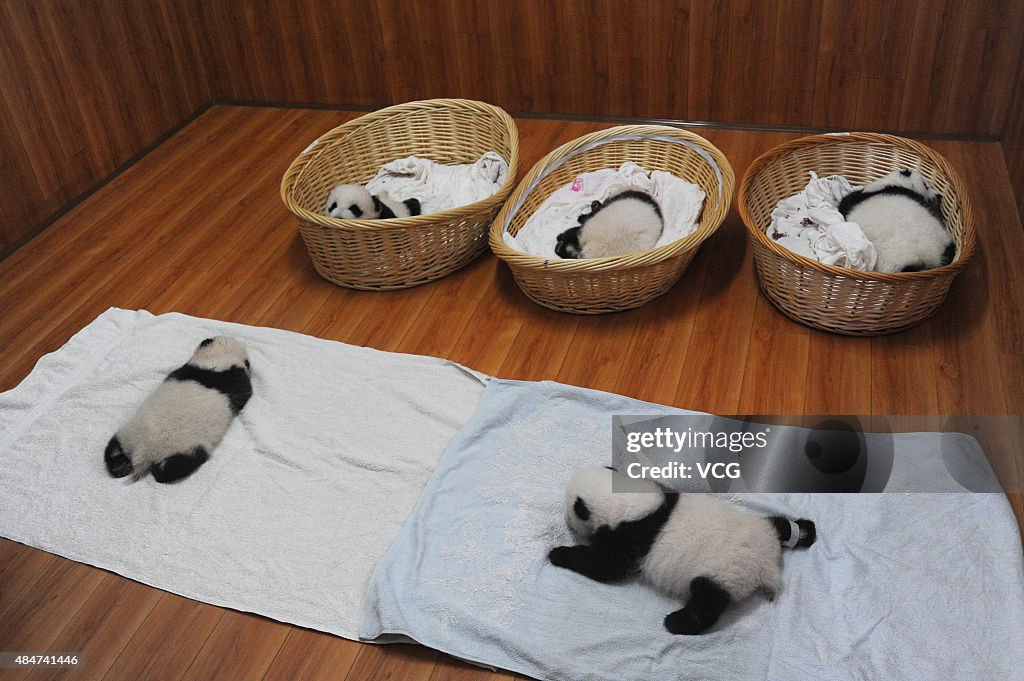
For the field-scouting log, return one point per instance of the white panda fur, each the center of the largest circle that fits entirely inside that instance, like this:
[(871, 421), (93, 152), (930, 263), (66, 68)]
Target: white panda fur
[(351, 202), (676, 542), (354, 202), (177, 426), (625, 223), (902, 216)]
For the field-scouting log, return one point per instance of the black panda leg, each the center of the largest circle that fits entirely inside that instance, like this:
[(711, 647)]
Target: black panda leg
[(178, 466), (707, 602), (118, 463), (784, 530), (948, 254), (413, 205), (601, 566)]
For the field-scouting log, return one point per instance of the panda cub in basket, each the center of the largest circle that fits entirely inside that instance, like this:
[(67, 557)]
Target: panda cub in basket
[(355, 202), (692, 546), (180, 423), (902, 216), (625, 223)]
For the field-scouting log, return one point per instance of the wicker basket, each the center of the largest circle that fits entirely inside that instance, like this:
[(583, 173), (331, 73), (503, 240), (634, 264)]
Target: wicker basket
[(402, 252), (834, 298), (599, 285)]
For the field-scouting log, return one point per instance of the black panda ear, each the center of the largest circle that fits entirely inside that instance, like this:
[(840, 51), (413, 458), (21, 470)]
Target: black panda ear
[(581, 510), (206, 342)]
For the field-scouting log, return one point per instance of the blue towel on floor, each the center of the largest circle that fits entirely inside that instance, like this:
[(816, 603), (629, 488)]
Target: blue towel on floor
[(898, 586)]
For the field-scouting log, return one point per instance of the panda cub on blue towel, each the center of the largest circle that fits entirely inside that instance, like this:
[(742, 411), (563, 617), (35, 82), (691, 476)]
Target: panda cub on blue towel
[(180, 423), (902, 216), (691, 546), (625, 223), (355, 202)]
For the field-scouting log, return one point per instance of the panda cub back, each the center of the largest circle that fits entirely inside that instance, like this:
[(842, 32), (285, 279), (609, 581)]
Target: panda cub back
[(695, 535), (692, 546), (179, 424), (706, 536), (625, 223), (902, 216), (354, 202)]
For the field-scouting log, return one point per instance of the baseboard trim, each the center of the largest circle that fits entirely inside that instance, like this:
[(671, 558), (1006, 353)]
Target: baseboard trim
[(625, 120)]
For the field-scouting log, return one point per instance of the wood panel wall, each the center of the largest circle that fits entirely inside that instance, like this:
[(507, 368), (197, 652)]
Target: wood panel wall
[(936, 66), (84, 86), (1013, 140), (87, 84)]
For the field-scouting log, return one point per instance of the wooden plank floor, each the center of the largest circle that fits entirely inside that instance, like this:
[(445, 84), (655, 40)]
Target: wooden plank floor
[(197, 227)]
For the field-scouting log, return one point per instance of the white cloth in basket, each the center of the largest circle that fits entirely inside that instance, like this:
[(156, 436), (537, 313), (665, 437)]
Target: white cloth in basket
[(438, 186), (681, 204), (809, 224)]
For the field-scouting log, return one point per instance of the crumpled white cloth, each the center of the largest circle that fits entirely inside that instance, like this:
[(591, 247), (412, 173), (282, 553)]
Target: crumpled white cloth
[(809, 224), (681, 203), (438, 186)]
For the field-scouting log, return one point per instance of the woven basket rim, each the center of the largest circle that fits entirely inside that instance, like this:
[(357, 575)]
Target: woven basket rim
[(337, 136), (618, 262), (966, 211)]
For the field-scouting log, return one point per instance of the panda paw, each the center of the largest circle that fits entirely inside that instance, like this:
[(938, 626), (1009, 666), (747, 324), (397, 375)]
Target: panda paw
[(563, 556), (118, 461), (685, 622)]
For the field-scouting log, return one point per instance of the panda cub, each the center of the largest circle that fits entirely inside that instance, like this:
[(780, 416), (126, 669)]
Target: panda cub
[(625, 223), (902, 216), (180, 423), (354, 202), (692, 546)]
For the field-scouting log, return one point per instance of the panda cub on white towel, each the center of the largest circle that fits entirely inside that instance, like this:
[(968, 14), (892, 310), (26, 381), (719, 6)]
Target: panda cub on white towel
[(355, 202), (180, 423), (902, 216), (625, 223), (691, 546)]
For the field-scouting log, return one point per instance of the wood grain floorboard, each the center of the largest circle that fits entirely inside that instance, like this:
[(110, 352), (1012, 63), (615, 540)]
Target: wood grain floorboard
[(312, 656), (36, 618), (102, 627), (838, 377), (242, 646), (168, 640), (197, 227), (20, 567)]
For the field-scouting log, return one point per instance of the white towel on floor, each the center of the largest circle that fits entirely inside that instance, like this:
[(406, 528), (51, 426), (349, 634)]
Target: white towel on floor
[(438, 186), (681, 203), (808, 223), (899, 586), (287, 519)]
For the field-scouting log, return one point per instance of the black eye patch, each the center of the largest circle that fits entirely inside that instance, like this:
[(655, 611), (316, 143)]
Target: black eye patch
[(247, 366), (206, 342), (581, 510), (331, 208), (356, 210)]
